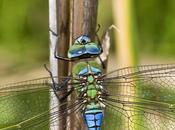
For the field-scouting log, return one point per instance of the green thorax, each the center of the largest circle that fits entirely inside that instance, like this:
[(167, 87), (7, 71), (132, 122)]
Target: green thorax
[(87, 71), (81, 65)]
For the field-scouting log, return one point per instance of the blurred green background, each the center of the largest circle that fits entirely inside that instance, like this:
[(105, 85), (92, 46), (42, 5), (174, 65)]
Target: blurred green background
[(24, 38)]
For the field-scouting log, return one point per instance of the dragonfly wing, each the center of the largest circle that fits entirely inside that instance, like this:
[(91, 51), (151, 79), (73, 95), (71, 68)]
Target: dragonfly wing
[(137, 114), (156, 82), (143, 97), (32, 105)]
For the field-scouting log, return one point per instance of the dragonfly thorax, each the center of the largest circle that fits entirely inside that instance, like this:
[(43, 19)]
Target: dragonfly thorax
[(90, 87)]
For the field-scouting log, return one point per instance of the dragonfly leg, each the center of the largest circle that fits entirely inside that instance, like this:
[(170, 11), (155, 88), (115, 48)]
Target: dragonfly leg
[(54, 33), (56, 46), (98, 39), (99, 43), (66, 95), (102, 63), (58, 87), (53, 81)]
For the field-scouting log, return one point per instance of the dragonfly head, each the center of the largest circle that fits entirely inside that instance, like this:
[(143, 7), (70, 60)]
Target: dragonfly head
[(83, 47), (83, 39)]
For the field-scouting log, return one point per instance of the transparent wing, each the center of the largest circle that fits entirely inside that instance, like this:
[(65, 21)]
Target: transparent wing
[(32, 105), (140, 98)]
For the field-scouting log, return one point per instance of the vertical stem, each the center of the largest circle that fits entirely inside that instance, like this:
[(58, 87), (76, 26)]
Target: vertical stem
[(53, 61), (53, 38), (84, 17), (63, 31), (63, 46), (62, 6)]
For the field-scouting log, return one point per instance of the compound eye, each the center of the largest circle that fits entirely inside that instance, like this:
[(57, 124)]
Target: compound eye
[(85, 39), (82, 40)]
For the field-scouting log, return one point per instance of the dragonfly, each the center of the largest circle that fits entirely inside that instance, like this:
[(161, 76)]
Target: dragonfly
[(132, 98)]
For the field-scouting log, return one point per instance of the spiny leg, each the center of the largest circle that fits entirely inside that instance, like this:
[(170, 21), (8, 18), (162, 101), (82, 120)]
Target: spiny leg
[(56, 46), (99, 43), (59, 87)]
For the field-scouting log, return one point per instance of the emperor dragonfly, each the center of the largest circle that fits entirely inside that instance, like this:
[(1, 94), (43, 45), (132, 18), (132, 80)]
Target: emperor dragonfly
[(133, 98)]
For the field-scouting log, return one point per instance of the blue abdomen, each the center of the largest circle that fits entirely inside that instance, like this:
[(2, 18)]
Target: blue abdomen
[(93, 118)]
